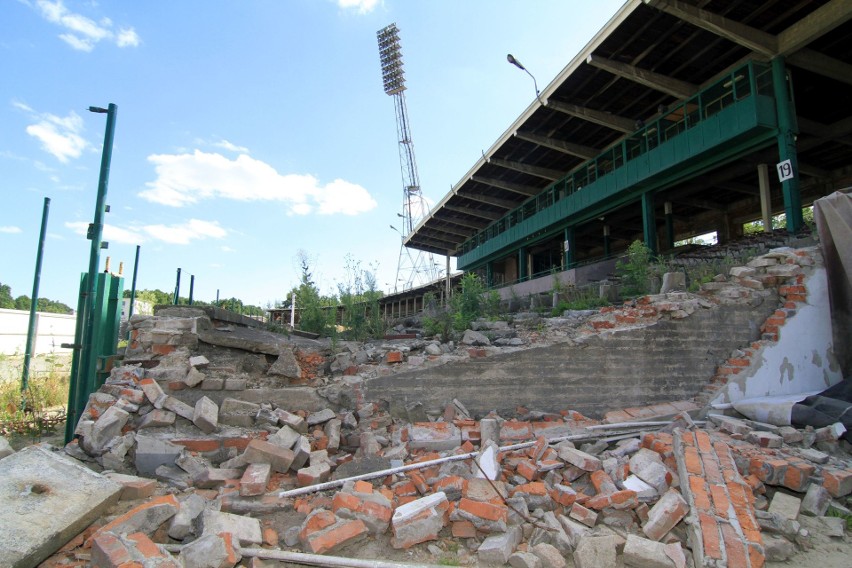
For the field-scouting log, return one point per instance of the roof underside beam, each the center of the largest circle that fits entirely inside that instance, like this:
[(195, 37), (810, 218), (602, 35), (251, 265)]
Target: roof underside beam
[(822, 65), (527, 190), (817, 23), (538, 171), (428, 240), (601, 118), (490, 200), (578, 150), (669, 85), (466, 223), (741, 34), (447, 230), (491, 216)]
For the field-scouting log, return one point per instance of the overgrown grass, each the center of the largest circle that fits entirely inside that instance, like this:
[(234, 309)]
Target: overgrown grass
[(832, 512), (25, 412)]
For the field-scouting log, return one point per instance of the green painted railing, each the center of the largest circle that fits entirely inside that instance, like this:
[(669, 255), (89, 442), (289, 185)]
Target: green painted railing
[(736, 112)]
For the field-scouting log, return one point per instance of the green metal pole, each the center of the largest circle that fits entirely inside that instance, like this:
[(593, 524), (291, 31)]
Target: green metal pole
[(84, 341), (28, 352), (191, 287), (787, 145), (568, 246), (177, 288), (133, 284), (649, 222)]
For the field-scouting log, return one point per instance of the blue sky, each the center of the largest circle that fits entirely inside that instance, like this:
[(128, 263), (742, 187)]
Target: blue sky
[(248, 131)]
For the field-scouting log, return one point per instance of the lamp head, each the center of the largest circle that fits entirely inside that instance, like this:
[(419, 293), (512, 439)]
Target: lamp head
[(511, 59), (98, 109)]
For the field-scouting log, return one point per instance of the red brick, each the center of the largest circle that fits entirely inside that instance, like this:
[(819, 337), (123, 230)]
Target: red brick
[(693, 461), (317, 522), (563, 495), (198, 444), (487, 511), (394, 357), (710, 536), (734, 547), (162, 349), (463, 529), (756, 556), (333, 538), (109, 552), (534, 488), (838, 482), (475, 353), (721, 503), (700, 495), (798, 475), (527, 470), (255, 478), (363, 487), (145, 546), (583, 515)]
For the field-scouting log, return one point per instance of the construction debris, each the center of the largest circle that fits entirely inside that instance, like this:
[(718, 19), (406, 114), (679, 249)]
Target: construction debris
[(208, 478)]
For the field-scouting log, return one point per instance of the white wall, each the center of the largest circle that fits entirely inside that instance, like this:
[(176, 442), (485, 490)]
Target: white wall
[(803, 358), (51, 331)]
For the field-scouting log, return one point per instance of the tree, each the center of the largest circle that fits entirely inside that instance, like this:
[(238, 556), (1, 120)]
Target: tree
[(309, 301), (6, 299)]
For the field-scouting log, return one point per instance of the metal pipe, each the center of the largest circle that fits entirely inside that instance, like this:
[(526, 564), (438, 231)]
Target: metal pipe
[(177, 288), (31, 329), (133, 285), (191, 287)]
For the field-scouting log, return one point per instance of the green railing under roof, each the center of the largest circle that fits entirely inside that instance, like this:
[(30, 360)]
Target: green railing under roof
[(741, 84)]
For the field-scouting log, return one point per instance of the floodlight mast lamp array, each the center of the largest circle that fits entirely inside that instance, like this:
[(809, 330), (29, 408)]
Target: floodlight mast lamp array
[(414, 267)]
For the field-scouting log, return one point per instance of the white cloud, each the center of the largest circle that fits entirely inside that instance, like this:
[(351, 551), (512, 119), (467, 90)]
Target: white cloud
[(185, 233), (22, 106), (178, 234), (232, 147), (226, 248), (82, 33), (363, 6), (184, 179), (10, 229), (111, 234), (59, 136)]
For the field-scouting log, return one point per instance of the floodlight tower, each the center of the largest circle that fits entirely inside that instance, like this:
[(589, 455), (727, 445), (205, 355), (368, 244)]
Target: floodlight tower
[(414, 267)]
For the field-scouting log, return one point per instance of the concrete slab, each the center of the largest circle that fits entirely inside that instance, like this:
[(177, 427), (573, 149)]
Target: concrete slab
[(47, 500)]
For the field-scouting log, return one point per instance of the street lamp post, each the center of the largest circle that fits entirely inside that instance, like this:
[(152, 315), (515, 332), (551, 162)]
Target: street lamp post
[(511, 59)]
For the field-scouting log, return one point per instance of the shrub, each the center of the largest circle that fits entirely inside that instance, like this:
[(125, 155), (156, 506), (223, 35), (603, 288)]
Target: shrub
[(635, 270)]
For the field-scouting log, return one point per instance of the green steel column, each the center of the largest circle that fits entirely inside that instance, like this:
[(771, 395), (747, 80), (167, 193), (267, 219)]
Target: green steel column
[(787, 144), (489, 274), (649, 222), (606, 243), (28, 351), (670, 239), (522, 264), (133, 286), (568, 247), (84, 339)]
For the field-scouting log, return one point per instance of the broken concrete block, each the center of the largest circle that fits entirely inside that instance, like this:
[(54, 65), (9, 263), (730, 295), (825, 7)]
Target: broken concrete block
[(286, 365), (419, 520), (318, 473), (665, 514), (182, 524), (107, 427), (179, 407), (153, 391), (321, 417), (765, 439), (786, 506), (435, 436), (153, 452), (240, 413), (584, 515), (145, 518), (644, 553), (332, 431), (255, 478), (294, 421), (198, 361), (777, 549), (246, 529), (816, 501), (211, 551), (133, 487), (525, 560), (194, 378), (157, 419), (214, 477), (830, 433), (595, 552), (496, 549), (573, 530), (582, 460), (285, 437), (488, 466), (235, 384), (206, 415), (648, 466), (213, 384), (111, 550), (47, 500), (549, 555), (489, 431), (259, 451), (301, 453), (549, 530)]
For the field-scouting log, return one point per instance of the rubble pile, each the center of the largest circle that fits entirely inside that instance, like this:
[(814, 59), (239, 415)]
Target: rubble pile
[(210, 478)]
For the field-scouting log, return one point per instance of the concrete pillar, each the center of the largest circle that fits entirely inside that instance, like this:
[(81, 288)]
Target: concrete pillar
[(606, 244), (649, 222), (787, 144), (568, 247), (765, 197), (670, 238)]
